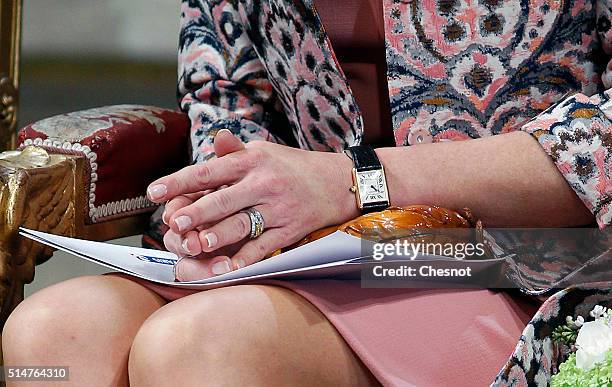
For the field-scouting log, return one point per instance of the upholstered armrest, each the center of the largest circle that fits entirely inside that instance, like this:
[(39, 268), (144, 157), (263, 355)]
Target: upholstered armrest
[(126, 147)]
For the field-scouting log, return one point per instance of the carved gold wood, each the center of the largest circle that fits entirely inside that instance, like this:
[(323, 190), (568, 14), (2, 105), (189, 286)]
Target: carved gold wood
[(10, 36), (38, 191), (44, 192)]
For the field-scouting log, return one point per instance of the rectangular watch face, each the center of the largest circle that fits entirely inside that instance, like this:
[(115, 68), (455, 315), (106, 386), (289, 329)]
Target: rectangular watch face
[(371, 186)]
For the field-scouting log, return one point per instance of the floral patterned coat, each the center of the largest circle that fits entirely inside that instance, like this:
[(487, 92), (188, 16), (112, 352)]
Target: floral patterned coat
[(265, 69)]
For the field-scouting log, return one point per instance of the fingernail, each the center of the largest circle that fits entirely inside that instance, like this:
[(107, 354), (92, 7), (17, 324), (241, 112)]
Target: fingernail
[(225, 130), (220, 267), (185, 246), (174, 269), (164, 218), (211, 239), (157, 191), (239, 263), (183, 222)]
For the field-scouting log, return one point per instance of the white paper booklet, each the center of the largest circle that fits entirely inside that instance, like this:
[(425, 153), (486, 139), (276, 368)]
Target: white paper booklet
[(332, 251), (338, 255)]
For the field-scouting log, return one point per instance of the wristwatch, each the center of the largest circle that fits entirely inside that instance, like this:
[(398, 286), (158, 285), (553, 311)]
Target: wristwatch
[(369, 182)]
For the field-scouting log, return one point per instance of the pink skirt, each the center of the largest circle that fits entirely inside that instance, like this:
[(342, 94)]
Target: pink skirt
[(415, 337)]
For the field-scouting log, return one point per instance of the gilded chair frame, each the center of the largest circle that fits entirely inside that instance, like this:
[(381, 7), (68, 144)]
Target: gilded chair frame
[(10, 43), (38, 190)]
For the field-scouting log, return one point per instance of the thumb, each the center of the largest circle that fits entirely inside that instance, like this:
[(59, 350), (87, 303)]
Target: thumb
[(225, 143)]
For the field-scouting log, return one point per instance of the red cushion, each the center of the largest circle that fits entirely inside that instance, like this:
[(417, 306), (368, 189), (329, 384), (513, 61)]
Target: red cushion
[(127, 146)]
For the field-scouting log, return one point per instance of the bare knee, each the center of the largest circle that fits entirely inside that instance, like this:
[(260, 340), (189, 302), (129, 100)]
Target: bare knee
[(216, 335), (38, 321), (56, 321), (19, 338), (242, 335)]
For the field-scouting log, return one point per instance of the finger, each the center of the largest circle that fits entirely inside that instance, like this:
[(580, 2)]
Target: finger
[(187, 245), (198, 267), (257, 249), (181, 201), (173, 205), (172, 241), (210, 175), (196, 195), (213, 207), (226, 143), (190, 244), (192, 269), (201, 266), (228, 231)]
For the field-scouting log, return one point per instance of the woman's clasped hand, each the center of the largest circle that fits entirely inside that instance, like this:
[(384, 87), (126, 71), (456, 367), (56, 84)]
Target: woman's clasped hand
[(295, 191)]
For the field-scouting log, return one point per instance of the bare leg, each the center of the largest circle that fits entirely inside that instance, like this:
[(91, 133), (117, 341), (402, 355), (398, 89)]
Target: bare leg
[(86, 323), (242, 335)]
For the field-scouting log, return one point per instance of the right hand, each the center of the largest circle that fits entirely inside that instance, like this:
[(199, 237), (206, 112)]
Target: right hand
[(188, 245)]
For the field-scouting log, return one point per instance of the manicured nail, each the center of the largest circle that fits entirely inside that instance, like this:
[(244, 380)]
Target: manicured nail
[(211, 239), (157, 191), (185, 246), (176, 274), (164, 218), (225, 130), (220, 267), (183, 222), (239, 263)]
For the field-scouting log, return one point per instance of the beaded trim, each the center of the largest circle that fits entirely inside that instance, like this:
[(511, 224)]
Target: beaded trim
[(114, 208), (96, 213)]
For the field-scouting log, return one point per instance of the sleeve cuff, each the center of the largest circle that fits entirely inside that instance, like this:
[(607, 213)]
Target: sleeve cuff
[(577, 134)]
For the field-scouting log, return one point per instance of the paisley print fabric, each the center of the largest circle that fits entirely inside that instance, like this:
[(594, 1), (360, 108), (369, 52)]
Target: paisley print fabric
[(460, 70), (222, 83), (265, 70), (577, 134), (457, 70)]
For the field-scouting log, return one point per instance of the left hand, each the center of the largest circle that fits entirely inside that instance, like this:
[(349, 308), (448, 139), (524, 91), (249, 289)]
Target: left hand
[(296, 191)]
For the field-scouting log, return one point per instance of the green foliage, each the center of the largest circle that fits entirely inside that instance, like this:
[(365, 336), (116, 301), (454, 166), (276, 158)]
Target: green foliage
[(571, 376), (566, 334)]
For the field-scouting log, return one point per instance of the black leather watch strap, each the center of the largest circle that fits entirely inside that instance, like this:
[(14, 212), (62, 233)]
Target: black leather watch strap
[(374, 207), (364, 158)]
